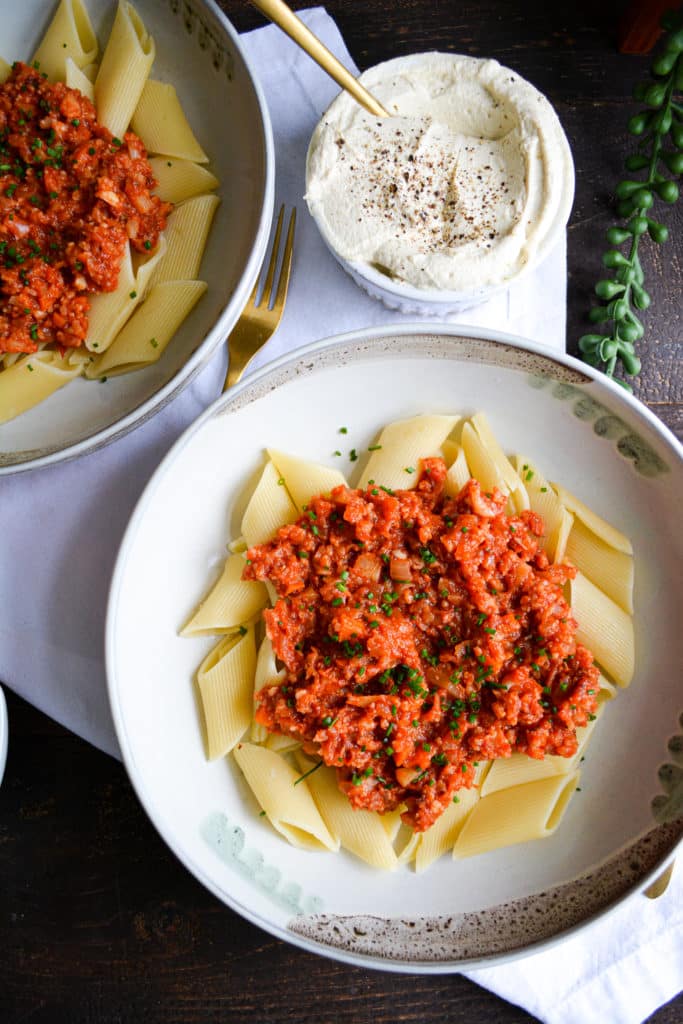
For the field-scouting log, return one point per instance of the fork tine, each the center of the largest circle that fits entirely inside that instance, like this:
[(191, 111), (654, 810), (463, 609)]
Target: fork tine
[(268, 286), (259, 322), (286, 268)]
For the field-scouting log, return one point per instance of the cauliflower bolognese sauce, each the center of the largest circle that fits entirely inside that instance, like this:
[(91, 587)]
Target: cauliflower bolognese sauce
[(71, 197), (421, 634)]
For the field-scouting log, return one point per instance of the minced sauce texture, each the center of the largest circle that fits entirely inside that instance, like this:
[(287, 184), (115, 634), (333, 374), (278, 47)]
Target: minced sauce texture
[(71, 197), (421, 634)]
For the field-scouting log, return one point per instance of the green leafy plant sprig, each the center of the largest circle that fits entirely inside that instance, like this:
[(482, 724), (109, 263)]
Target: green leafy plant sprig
[(660, 155)]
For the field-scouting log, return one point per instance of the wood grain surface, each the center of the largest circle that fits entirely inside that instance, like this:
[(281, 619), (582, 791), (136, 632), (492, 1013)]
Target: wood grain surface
[(99, 924)]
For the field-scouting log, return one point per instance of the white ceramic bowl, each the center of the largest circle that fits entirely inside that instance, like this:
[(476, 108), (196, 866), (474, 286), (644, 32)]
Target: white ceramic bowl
[(198, 50), (584, 431), (432, 302)]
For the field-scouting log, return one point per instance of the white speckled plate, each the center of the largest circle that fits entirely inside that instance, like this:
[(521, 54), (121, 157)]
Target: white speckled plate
[(199, 51), (584, 432)]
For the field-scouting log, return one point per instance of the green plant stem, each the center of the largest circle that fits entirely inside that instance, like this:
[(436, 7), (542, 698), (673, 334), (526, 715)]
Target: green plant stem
[(640, 212), (624, 295)]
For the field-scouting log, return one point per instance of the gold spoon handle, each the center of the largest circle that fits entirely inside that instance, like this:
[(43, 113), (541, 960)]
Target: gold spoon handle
[(286, 19)]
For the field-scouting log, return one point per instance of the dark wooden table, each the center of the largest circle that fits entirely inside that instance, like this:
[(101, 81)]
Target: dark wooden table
[(98, 922)]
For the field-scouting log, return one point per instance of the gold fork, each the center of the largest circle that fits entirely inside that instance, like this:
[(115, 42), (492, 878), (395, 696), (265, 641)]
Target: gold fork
[(259, 320)]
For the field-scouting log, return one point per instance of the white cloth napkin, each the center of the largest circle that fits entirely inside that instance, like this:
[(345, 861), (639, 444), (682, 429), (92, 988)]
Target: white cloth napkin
[(54, 575)]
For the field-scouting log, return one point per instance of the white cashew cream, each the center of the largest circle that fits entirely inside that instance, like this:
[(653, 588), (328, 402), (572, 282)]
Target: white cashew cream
[(456, 189)]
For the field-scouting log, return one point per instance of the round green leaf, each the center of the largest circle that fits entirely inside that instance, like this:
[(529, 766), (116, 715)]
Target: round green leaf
[(654, 97), (608, 349), (628, 333), (608, 289), (630, 362), (636, 162), (674, 161), (637, 124), (643, 199), (664, 63), (641, 298), (658, 232), (590, 342), (661, 121), (613, 258), (668, 191), (617, 236), (638, 225), (625, 189)]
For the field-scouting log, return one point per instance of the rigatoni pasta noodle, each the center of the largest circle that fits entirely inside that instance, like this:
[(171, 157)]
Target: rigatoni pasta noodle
[(400, 638), (161, 124), (126, 62), (178, 180), (69, 37), (111, 301)]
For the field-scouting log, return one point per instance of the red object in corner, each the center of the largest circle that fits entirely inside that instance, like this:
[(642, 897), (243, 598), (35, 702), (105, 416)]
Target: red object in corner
[(640, 28)]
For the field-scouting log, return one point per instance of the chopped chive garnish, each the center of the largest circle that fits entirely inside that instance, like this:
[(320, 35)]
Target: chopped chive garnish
[(306, 774)]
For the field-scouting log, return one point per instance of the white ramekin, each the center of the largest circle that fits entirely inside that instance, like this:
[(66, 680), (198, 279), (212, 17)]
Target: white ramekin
[(434, 302)]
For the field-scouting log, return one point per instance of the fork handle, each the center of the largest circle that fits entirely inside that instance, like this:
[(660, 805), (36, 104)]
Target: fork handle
[(233, 375), (286, 19)]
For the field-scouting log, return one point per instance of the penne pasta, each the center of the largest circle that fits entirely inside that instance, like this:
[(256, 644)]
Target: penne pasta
[(391, 823), (394, 462), (443, 834), (608, 568), (69, 35), (449, 451), (225, 683), (285, 797), (604, 628), (90, 72), (77, 79), (304, 479), (231, 602), (544, 501), (31, 379), (161, 124), (602, 529), (406, 844), (126, 63), (186, 233), (608, 691), (514, 486), (359, 832), (269, 508), (517, 770), (267, 674), (282, 744), (5, 69), (488, 466), (146, 334), (510, 816), (178, 180), (109, 311), (458, 473), (563, 531)]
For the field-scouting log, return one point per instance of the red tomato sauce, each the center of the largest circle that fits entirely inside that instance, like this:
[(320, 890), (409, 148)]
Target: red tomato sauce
[(71, 196), (421, 634)]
